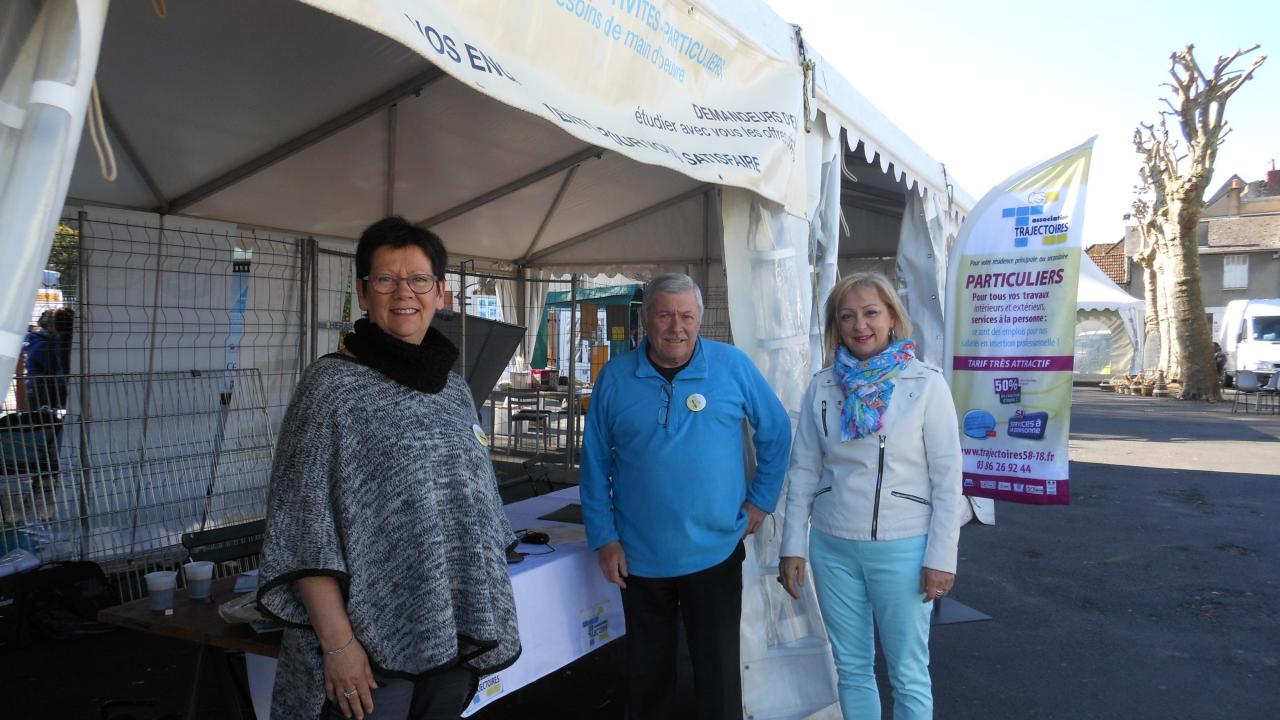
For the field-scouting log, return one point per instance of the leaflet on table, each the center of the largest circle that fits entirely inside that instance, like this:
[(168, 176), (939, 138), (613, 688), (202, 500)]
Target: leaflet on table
[(1011, 314)]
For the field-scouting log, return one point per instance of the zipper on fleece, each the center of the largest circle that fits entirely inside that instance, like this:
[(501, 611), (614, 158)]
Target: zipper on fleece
[(875, 511), (912, 498)]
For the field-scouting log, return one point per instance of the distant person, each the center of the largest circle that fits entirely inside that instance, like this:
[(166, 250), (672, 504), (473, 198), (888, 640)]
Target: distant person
[(64, 321), (666, 501), (1219, 359), (385, 545), (45, 383), (874, 496)]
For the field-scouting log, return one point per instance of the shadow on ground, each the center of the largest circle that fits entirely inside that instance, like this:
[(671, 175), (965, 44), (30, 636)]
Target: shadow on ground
[(1151, 595)]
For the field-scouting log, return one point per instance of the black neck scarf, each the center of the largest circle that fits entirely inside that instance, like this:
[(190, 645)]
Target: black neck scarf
[(423, 367)]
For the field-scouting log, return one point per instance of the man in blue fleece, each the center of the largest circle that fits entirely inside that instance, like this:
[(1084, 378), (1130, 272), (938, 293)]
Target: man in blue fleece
[(666, 499)]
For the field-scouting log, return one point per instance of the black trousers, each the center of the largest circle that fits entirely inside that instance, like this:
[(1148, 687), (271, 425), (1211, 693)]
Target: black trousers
[(440, 696), (710, 604)]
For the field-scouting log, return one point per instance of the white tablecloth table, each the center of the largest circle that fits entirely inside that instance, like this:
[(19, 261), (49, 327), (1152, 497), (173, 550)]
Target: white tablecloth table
[(565, 607)]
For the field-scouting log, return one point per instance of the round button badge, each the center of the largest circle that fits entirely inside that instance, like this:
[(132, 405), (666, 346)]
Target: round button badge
[(480, 434), (696, 402)]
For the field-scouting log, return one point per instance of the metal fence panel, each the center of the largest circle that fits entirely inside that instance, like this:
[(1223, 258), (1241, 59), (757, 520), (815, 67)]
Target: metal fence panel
[(134, 461)]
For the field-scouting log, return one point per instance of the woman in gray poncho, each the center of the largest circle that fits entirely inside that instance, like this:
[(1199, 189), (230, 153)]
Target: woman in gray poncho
[(384, 553)]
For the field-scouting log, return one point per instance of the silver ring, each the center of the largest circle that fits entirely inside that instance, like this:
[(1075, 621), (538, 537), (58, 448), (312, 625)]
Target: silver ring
[(348, 694), (939, 593)]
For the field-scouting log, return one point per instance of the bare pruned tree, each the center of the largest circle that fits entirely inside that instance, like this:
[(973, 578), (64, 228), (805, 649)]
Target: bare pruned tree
[(1173, 180)]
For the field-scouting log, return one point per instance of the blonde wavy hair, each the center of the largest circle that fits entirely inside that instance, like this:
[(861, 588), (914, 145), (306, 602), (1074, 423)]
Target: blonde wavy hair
[(882, 286)]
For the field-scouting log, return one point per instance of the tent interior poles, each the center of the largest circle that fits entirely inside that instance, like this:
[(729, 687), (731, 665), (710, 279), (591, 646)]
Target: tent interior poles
[(412, 86)]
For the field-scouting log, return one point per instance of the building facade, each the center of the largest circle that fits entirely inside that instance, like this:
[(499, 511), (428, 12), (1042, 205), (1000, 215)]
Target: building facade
[(1239, 240)]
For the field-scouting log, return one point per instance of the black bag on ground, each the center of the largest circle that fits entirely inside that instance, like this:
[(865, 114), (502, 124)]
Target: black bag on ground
[(57, 601)]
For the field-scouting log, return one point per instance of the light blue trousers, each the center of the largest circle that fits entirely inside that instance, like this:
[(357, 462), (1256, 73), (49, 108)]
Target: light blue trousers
[(864, 581)]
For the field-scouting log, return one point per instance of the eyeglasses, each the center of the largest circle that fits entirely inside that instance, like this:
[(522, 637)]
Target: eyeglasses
[(664, 410), (387, 284)]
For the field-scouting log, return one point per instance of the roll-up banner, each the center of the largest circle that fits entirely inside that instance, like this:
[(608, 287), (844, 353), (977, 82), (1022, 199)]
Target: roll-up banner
[(1011, 314), (660, 82)]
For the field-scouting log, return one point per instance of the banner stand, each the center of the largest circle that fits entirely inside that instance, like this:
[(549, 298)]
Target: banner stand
[(949, 611)]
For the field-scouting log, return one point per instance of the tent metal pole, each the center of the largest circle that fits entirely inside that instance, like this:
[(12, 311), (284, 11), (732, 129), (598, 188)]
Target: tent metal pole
[(573, 160), (330, 127), (572, 430), (86, 403), (551, 211), (462, 310), (522, 287), (588, 235), (313, 322), (304, 274), (706, 239), (131, 152), (392, 113)]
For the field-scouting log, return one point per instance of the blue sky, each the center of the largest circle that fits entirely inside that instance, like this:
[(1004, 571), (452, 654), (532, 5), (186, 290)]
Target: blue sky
[(994, 86)]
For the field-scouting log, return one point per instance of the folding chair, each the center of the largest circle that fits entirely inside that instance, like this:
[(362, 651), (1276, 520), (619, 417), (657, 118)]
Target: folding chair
[(1247, 384), (232, 542), (1271, 391), (524, 413)]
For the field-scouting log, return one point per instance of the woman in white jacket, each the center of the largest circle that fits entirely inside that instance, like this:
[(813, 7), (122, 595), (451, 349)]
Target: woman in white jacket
[(874, 496)]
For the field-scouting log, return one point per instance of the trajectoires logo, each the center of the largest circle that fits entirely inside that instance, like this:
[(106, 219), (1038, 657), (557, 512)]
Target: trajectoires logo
[(1031, 221)]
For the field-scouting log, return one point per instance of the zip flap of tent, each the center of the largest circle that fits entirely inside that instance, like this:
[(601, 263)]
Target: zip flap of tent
[(658, 82)]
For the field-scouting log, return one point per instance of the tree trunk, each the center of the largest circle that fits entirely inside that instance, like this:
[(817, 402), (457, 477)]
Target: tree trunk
[(1152, 318), (1167, 338), (1193, 348), (1172, 195), (1151, 324)]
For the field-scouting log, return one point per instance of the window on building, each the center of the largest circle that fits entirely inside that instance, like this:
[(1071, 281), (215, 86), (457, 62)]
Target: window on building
[(1235, 271)]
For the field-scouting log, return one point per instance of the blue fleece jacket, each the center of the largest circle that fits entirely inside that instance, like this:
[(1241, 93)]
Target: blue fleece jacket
[(663, 464)]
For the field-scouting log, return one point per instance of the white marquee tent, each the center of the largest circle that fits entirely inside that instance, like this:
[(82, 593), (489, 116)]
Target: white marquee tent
[(1108, 326), (534, 138)]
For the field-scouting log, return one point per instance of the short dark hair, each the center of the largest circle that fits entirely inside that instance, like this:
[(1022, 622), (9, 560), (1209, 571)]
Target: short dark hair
[(64, 319), (396, 232)]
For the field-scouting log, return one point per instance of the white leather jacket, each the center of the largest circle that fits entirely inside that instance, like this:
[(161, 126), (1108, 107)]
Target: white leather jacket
[(903, 482)]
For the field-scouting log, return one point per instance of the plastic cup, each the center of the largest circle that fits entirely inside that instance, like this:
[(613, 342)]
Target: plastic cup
[(199, 579), (160, 586)]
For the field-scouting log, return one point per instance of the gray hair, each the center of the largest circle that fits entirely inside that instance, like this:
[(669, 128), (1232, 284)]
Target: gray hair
[(674, 283)]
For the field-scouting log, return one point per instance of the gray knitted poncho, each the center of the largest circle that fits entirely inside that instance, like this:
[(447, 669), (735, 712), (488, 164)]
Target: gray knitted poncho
[(390, 491)]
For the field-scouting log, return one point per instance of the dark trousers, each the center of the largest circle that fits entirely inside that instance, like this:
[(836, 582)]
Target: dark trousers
[(710, 604), (440, 696)]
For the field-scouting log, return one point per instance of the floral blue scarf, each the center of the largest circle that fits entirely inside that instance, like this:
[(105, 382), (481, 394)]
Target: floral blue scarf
[(867, 387)]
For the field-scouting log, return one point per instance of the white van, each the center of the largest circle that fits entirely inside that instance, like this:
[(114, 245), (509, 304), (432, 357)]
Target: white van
[(1250, 337)]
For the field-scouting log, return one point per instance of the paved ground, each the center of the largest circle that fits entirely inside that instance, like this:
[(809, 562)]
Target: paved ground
[(1151, 596)]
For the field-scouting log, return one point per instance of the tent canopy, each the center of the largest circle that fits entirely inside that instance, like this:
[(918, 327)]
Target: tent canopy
[(296, 117), (325, 128), (1096, 291), (1105, 312), (610, 295)]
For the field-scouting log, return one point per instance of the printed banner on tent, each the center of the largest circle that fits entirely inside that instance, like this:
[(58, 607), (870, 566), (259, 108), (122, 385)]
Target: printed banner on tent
[(1011, 311), (659, 82)]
